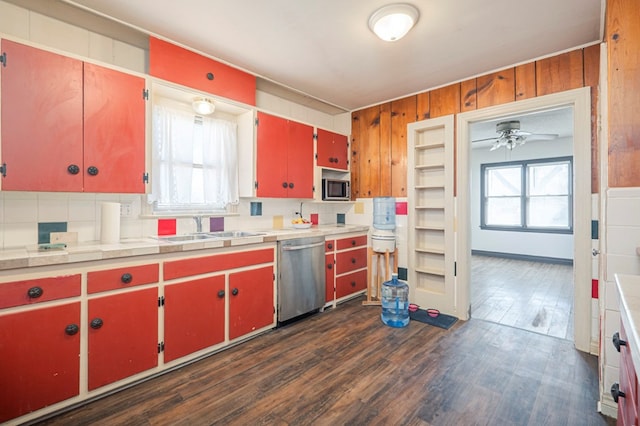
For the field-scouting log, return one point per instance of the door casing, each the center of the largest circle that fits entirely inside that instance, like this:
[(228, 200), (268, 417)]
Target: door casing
[(580, 100)]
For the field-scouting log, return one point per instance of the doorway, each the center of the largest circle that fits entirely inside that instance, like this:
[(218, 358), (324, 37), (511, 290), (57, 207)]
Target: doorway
[(579, 101), (521, 221)]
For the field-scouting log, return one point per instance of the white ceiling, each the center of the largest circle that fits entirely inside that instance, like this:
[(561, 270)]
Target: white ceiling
[(325, 50)]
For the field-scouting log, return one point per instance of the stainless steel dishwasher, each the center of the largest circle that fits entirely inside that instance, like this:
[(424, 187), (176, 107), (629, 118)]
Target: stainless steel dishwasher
[(301, 277)]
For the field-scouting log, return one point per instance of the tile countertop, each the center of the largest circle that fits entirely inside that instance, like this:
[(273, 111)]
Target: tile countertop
[(30, 256), (629, 294)]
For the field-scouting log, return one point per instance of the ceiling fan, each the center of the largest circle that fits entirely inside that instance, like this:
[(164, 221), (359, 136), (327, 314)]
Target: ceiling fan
[(510, 135)]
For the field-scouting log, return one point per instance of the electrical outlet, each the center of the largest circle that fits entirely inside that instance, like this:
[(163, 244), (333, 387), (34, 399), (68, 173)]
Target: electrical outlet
[(126, 210)]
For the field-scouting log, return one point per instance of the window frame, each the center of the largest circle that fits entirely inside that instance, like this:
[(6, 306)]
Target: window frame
[(524, 196)]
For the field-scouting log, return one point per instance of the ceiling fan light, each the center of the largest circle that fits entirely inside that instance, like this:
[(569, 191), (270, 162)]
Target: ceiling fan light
[(203, 106), (394, 21)]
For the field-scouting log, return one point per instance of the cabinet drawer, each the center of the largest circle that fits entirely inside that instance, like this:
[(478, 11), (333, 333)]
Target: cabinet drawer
[(351, 260), (114, 279), (38, 290), (174, 63), (329, 245), (347, 243), (351, 283), (215, 263)]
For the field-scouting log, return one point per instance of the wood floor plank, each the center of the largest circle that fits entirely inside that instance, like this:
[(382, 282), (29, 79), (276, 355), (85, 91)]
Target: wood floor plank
[(343, 366)]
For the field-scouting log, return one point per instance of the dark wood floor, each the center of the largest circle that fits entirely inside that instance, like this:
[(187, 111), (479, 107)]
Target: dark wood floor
[(533, 296), (344, 366)]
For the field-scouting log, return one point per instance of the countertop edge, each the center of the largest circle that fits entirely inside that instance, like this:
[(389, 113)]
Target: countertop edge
[(30, 256)]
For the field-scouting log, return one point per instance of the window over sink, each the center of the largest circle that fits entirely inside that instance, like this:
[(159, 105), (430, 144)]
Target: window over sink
[(194, 160)]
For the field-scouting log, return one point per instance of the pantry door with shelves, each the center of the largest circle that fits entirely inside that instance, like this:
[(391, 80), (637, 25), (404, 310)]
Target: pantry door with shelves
[(430, 165)]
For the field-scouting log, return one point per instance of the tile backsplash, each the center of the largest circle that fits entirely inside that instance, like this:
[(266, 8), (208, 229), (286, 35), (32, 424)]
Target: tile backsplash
[(22, 212)]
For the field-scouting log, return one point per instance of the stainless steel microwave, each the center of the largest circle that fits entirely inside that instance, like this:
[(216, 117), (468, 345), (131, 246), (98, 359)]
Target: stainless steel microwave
[(336, 190)]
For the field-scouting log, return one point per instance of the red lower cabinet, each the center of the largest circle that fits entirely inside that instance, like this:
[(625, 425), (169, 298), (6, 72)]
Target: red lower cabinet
[(329, 277), (625, 392), (39, 358), (193, 316), (251, 305), (351, 283), (123, 336)]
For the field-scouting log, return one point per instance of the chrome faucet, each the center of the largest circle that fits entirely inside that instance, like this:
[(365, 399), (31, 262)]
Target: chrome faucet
[(198, 220)]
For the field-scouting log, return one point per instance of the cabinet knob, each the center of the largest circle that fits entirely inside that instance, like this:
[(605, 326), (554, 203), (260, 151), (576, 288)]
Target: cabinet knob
[(284, 185), (353, 242), (126, 278), (617, 341), (353, 283), (210, 76), (35, 292), (73, 169), (221, 294), (329, 266), (71, 329), (92, 170), (330, 246), (235, 291), (290, 185), (353, 260), (96, 323), (616, 392)]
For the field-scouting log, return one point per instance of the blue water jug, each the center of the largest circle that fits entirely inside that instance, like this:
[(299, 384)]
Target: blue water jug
[(395, 302)]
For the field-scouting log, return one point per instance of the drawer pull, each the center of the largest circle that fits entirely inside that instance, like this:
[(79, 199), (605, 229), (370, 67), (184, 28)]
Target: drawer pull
[(210, 76), (96, 323), (330, 246), (353, 283), (329, 266), (71, 329), (353, 242), (126, 278), (616, 392), (617, 341), (235, 291), (353, 260), (221, 294), (35, 292)]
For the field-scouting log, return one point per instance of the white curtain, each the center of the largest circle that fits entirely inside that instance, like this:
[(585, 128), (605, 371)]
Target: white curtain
[(194, 161)]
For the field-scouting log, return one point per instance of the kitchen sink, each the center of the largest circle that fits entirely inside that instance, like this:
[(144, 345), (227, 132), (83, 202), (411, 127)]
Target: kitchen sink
[(190, 237), (209, 236), (234, 234)]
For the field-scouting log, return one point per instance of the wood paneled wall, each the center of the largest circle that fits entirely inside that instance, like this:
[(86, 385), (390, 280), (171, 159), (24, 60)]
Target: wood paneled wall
[(378, 133), (623, 45)]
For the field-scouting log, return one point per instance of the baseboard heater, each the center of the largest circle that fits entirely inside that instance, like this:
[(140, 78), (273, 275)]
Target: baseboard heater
[(527, 257)]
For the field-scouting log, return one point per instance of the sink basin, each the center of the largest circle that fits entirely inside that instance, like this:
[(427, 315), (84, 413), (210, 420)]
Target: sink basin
[(191, 237), (234, 234)]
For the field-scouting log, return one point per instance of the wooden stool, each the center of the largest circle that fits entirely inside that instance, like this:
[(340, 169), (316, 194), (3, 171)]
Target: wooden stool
[(374, 296)]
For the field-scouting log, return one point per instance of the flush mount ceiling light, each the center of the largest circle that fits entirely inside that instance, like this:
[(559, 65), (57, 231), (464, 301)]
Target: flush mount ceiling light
[(203, 106), (394, 21)]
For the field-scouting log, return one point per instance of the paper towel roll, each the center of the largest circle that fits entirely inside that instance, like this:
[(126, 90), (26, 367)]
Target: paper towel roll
[(110, 223)]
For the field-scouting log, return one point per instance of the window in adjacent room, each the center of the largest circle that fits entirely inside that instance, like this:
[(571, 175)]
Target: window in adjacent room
[(195, 164), (532, 195)]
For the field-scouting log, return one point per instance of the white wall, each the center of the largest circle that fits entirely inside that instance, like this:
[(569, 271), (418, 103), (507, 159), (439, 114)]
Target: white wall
[(525, 243), (20, 212)]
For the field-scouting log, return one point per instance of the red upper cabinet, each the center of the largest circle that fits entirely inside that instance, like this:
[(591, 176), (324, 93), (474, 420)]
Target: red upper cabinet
[(70, 126), (41, 119), (333, 150), (176, 64), (114, 131), (285, 158)]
